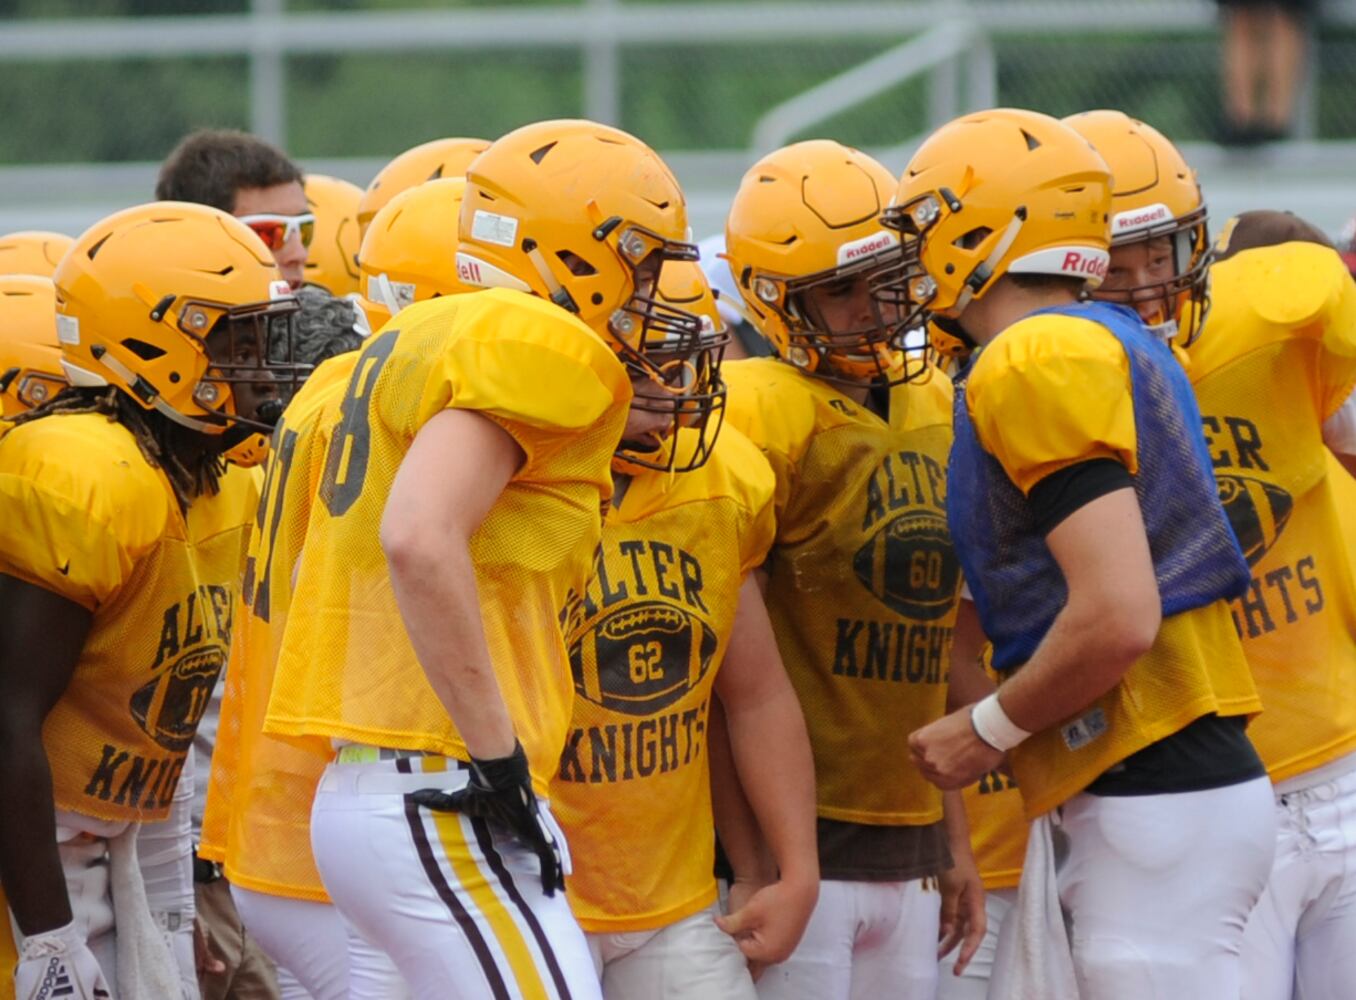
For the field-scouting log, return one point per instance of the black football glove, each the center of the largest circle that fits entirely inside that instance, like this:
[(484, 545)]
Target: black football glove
[(500, 791)]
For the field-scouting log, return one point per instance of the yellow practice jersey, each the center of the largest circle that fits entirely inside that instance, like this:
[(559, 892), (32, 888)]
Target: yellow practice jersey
[(258, 817), (346, 669), (646, 639), (1052, 391), (83, 514), (1276, 358), (863, 581), (993, 808)]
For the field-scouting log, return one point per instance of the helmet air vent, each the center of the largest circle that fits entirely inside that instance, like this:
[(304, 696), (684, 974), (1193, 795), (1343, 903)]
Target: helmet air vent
[(539, 154), (97, 247), (972, 239), (1031, 141), (143, 350), (578, 266)]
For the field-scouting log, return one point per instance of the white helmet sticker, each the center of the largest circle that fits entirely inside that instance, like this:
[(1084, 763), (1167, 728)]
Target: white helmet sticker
[(68, 330), (474, 271), (855, 250), (1135, 219), (490, 227), (1089, 263)]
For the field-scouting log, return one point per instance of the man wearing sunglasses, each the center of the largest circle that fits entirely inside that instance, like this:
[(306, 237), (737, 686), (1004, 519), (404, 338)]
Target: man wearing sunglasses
[(262, 187), (254, 181)]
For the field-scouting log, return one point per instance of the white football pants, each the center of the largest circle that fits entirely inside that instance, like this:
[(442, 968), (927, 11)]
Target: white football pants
[(865, 940), (456, 904), (311, 945), (690, 959), (165, 855), (1301, 938), (1156, 889)]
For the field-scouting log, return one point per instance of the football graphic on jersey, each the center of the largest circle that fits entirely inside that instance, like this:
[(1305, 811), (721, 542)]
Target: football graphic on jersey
[(1257, 511), (170, 707), (910, 565), (641, 658)]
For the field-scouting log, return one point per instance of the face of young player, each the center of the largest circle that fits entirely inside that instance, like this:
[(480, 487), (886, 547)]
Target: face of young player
[(238, 347), (280, 199), (648, 427), (1136, 276), (841, 311)]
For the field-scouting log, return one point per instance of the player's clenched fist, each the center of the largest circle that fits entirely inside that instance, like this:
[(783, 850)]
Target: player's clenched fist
[(500, 790), (768, 921), (950, 753), (58, 964)]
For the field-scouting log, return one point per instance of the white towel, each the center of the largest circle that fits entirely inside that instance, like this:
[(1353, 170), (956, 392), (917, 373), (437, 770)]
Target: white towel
[(146, 968), (1038, 962)]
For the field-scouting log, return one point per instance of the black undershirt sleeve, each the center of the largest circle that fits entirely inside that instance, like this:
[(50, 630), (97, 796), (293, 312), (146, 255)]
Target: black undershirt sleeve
[(1061, 493)]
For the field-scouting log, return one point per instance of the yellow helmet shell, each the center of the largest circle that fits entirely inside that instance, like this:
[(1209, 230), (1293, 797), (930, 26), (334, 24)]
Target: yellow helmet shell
[(410, 251), (1004, 191), (428, 161), (332, 258), (30, 355), (32, 252)]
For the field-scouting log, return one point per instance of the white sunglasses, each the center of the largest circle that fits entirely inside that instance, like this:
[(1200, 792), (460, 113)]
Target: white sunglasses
[(276, 230)]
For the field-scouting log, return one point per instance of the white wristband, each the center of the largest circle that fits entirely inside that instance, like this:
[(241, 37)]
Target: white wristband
[(993, 726)]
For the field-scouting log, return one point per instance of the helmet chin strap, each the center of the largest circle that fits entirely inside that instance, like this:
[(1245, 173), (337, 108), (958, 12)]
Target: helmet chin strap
[(386, 294), (559, 294), (952, 327)]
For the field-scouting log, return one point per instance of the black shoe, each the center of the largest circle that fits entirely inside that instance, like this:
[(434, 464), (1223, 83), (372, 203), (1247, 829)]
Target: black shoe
[(1271, 133), (1239, 134)]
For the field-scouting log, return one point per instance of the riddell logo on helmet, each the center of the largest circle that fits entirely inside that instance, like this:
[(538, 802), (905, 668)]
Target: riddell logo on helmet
[(468, 270), (1140, 218), (865, 247), (1087, 265)]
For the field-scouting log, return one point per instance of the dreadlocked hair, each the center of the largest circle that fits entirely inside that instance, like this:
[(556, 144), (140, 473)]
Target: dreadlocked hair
[(192, 468)]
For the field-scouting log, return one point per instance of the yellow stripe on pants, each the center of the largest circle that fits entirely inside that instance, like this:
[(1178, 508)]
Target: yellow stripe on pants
[(472, 880)]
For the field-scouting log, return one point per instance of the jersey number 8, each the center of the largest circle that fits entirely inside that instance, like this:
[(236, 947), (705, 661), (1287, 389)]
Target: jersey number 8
[(346, 460)]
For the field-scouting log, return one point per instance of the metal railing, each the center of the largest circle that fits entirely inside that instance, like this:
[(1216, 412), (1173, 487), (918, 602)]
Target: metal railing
[(949, 43), (268, 33)]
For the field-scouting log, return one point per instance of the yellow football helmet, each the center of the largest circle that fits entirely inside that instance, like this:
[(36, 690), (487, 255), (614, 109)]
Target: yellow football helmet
[(30, 356), (683, 284), (332, 257), (584, 215), (426, 162), (410, 251), (32, 252), (182, 308), (1154, 196), (698, 396), (805, 218), (991, 193)]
